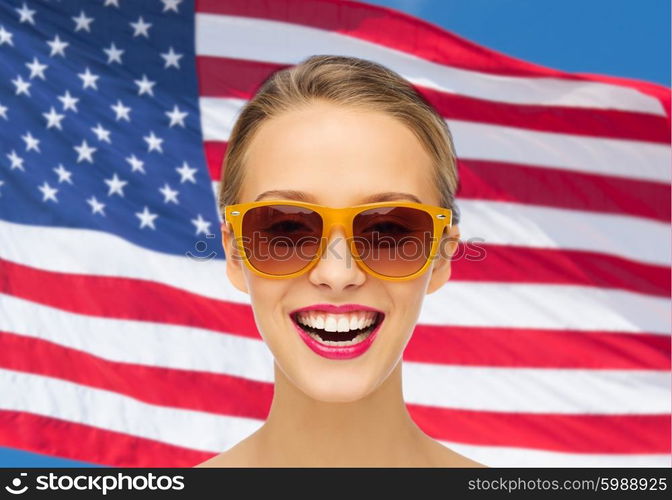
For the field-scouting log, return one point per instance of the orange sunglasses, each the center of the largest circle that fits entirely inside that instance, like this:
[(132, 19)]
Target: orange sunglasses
[(390, 240)]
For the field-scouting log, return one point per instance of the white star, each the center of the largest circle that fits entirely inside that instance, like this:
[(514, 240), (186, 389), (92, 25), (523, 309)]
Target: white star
[(57, 47), (85, 152), (153, 142), (111, 2), (202, 226), (22, 87), (31, 142), (96, 206), (186, 173), (145, 85), (17, 161), (101, 133), (83, 22), (63, 174), (48, 193), (121, 111), (3, 111), (170, 5), (172, 58), (146, 218), (136, 164), (5, 37), (116, 185), (169, 194), (88, 78), (68, 101), (26, 14), (113, 54), (53, 118), (1, 183), (36, 69), (176, 116), (140, 28)]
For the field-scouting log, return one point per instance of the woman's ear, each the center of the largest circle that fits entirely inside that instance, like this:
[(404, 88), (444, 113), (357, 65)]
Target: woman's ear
[(442, 260), (234, 262)]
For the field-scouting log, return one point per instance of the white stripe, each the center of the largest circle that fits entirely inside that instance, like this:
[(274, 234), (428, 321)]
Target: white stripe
[(504, 456), (139, 342), (284, 43), (505, 223), (521, 305), (545, 390), (573, 153), (480, 141), (517, 305), (528, 390), (51, 397), (79, 251), (216, 433)]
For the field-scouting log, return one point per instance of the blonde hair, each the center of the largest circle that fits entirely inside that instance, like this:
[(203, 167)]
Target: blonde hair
[(344, 81)]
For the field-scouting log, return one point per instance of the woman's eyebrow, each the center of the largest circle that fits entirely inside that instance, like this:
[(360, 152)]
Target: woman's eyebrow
[(390, 196), (306, 197), (286, 193)]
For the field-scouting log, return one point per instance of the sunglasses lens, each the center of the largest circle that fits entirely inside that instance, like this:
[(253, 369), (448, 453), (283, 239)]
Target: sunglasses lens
[(281, 239), (393, 241)]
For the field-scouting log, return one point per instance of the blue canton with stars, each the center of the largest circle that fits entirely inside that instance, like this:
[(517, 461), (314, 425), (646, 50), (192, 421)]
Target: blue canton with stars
[(99, 121)]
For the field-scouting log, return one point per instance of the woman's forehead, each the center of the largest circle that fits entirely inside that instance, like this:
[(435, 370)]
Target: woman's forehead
[(326, 130), (332, 150)]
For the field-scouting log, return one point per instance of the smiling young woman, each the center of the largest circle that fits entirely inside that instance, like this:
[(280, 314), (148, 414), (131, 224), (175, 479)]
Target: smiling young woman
[(338, 198)]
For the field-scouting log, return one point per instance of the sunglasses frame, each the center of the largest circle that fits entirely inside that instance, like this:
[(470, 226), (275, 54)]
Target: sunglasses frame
[(441, 217)]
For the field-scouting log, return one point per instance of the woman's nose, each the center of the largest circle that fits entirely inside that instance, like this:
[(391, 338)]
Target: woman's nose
[(337, 268)]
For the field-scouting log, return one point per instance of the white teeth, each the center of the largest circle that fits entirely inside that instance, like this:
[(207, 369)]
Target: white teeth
[(343, 325), (330, 324), (361, 321), (337, 322)]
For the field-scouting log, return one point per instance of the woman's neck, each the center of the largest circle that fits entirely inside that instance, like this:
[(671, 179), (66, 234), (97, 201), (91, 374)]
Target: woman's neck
[(374, 431)]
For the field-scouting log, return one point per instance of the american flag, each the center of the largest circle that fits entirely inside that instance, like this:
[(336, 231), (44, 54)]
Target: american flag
[(122, 342)]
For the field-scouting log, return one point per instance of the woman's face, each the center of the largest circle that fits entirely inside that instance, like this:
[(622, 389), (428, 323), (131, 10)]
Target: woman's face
[(338, 156)]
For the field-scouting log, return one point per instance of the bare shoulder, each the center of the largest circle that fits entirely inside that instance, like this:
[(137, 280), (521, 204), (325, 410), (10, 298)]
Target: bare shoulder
[(442, 456), (233, 457), (224, 459), (221, 460), (467, 462)]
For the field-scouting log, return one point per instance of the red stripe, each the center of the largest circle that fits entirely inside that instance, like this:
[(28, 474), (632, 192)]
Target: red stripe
[(552, 432), (474, 261), (400, 31), (612, 124), (64, 439), (499, 181), (194, 390), (214, 155), (538, 348), (478, 346), (238, 78), (544, 186), (216, 393), (125, 298)]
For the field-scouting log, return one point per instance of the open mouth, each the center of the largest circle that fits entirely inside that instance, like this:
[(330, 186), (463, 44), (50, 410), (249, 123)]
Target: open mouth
[(329, 335)]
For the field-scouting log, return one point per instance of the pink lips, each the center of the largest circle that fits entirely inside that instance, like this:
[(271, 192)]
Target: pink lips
[(331, 351)]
